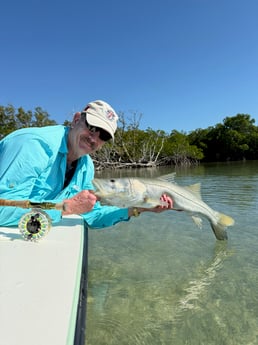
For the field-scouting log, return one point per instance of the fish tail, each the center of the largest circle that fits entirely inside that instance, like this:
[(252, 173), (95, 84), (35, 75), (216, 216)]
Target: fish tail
[(225, 220), (219, 231), (219, 228)]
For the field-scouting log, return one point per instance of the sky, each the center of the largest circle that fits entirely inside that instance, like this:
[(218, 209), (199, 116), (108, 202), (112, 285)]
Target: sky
[(174, 64)]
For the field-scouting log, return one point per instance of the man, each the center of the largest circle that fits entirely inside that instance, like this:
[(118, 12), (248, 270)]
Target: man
[(53, 164)]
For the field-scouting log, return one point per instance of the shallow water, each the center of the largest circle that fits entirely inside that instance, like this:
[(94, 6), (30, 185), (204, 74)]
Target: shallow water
[(160, 280)]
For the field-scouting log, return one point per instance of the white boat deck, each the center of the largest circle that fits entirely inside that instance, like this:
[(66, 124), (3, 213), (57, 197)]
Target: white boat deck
[(39, 285)]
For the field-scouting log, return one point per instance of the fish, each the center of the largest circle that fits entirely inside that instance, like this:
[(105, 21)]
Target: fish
[(146, 192)]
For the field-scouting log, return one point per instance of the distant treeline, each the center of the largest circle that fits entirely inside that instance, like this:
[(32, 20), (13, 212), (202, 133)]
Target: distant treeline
[(234, 139)]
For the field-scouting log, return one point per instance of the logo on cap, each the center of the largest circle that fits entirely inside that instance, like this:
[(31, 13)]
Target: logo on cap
[(110, 115)]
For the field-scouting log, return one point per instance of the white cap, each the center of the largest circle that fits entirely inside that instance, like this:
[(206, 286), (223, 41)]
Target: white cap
[(101, 114)]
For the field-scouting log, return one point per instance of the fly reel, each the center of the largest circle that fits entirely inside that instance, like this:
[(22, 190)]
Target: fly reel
[(34, 225)]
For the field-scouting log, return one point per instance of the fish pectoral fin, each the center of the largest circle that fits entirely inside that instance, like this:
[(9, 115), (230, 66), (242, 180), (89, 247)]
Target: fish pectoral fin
[(148, 202), (197, 221), (145, 199)]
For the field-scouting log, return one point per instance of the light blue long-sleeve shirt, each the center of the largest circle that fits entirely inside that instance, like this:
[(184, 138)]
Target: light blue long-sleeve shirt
[(33, 165)]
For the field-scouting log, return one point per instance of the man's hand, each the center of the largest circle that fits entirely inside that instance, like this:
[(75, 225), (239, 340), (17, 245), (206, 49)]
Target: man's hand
[(80, 203), (166, 202)]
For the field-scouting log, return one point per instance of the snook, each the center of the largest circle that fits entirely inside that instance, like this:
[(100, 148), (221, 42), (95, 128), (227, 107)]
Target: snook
[(144, 192)]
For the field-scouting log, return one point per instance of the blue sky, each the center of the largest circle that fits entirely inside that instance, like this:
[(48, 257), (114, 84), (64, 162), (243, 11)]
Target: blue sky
[(182, 64)]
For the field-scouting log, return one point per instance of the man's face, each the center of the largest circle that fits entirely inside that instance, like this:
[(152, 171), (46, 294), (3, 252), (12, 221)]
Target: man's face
[(81, 140)]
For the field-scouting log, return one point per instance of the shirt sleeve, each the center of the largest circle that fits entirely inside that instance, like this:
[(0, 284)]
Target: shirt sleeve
[(19, 172), (22, 162)]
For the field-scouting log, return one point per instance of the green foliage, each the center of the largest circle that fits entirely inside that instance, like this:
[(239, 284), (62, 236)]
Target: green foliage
[(12, 119), (234, 139), (7, 120), (181, 150)]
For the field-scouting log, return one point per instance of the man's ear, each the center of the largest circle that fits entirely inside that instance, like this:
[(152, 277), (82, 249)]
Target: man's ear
[(76, 117)]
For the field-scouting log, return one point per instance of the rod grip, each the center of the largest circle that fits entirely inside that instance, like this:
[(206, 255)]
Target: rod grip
[(15, 203)]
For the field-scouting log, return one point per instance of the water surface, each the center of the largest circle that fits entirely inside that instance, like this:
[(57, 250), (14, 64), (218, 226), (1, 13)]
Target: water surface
[(160, 280)]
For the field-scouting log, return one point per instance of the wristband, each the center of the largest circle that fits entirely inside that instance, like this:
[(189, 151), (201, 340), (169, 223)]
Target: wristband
[(136, 212)]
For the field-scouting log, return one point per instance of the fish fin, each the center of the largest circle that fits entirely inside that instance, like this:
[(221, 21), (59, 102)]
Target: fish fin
[(197, 221), (195, 189), (145, 199), (168, 178), (226, 220), (148, 202), (219, 229)]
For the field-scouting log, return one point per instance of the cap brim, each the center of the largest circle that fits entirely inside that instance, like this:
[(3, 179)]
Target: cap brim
[(93, 120)]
